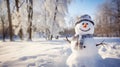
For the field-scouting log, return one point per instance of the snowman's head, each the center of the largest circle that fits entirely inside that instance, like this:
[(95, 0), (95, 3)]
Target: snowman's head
[(84, 25)]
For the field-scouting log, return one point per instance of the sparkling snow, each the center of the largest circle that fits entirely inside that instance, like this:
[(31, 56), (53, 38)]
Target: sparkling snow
[(42, 53)]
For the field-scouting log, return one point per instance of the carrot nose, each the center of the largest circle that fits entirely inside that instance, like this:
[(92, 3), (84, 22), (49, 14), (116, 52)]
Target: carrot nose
[(85, 25)]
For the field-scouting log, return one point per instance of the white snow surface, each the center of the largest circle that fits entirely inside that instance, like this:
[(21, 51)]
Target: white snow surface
[(42, 53)]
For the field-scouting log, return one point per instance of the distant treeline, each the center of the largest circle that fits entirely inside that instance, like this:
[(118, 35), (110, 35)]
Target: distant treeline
[(107, 19)]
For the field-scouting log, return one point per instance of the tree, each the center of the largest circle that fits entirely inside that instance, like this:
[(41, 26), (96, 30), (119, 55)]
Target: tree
[(54, 20), (2, 17), (3, 31), (18, 18), (56, 11), (116, 8), (51, 14), (9, 19), (30, 17)]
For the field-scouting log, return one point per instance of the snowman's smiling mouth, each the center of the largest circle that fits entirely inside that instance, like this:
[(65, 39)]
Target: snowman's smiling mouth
[(85, 30)]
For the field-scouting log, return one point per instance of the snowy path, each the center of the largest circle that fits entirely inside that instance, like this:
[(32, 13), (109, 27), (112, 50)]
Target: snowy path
[(42, 54)]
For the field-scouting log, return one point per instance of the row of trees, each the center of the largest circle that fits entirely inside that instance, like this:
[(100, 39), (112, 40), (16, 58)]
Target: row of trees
[(108, 19), (11, 27), (24, 17)]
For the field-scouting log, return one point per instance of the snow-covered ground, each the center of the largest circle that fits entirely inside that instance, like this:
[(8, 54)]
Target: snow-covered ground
[(42, 53)]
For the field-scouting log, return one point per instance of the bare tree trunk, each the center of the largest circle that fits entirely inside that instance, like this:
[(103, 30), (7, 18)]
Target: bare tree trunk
[(118, 16), (3, 31), (30, 17), (16, 4), (47, 33), (10, 22), (54, 19), (18, 17)]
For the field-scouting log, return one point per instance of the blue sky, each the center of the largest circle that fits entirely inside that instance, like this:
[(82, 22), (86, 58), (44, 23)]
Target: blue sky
[(80, 7)]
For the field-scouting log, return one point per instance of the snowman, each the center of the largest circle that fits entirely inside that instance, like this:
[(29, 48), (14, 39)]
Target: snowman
[(84, 50)]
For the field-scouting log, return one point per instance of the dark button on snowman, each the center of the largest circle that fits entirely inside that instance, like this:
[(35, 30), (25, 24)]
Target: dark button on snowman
[(84, 50)]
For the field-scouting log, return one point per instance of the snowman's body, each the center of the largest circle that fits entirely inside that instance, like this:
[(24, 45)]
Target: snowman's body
[(83, 57)]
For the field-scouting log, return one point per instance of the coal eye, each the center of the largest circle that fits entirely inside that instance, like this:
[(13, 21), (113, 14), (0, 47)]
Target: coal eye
[(82, 23), (87, 23)]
